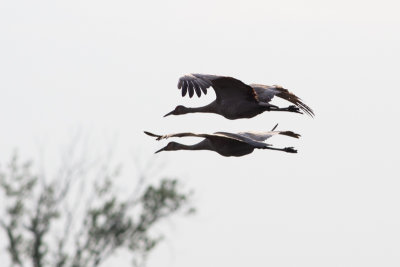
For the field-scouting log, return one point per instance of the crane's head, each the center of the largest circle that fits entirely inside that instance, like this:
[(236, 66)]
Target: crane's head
[(179, 110), (170, 147)]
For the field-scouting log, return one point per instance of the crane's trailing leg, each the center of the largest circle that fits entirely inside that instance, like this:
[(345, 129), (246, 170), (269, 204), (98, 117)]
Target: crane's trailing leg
[(286, 149), (270, 107), (291, 108)]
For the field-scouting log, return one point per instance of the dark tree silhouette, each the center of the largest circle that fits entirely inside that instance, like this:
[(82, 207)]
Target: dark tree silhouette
[(68, 222)]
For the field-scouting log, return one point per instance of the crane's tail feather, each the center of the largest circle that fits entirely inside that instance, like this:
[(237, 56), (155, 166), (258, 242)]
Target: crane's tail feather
[(290, 133), (285, 94)]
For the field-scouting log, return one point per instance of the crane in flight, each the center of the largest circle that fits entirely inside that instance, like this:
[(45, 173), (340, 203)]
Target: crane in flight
[(227, 144), (235, 99)]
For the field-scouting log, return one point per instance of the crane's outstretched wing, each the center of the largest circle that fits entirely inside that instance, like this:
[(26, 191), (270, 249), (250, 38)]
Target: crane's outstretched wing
[(257, 138), (218, 135), (224, 87), (160, 137), (242, 138), (266, 93), (262, 136)]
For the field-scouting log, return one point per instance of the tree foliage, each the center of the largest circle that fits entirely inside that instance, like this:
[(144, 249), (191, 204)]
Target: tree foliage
[(48, 223)]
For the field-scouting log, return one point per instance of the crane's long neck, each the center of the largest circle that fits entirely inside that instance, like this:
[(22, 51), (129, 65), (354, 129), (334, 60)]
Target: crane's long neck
[(210, 108), (203, 145)]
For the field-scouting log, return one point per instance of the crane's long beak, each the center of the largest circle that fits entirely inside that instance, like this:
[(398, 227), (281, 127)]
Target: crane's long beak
[(162, 149), (169, 113)]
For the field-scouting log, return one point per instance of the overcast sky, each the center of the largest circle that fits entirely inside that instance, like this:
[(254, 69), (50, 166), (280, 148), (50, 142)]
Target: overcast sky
[(110, 69)]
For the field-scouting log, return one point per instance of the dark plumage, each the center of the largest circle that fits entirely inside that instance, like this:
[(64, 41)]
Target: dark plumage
[(227, 144), (235, 99)]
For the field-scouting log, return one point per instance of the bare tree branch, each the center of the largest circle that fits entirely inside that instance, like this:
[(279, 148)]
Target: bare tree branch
[(106, 221)]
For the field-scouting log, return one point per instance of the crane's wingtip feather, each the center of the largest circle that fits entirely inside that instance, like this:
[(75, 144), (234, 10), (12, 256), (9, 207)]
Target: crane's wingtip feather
[(151, 134)]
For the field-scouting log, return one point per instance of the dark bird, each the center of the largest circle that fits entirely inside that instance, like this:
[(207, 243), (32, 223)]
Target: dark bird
[(227, 144), (236, 100)]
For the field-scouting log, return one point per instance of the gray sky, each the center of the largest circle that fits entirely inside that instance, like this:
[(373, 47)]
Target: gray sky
[(110, 69)]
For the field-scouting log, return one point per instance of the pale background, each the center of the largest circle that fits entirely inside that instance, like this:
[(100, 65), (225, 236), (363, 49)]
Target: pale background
[(110, 69)]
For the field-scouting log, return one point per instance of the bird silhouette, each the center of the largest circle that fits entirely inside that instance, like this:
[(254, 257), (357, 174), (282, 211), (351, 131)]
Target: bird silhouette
[(235, 99), (227, 144)]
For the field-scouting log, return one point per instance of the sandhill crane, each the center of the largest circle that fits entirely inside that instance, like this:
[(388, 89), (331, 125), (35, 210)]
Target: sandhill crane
[(235, 99), (227, 144)]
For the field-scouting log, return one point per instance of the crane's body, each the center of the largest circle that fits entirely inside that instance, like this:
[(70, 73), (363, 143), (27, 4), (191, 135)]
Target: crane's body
[(229, 109), (227, 144), (227, 148), (234, 99)]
